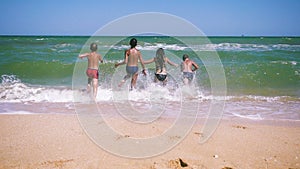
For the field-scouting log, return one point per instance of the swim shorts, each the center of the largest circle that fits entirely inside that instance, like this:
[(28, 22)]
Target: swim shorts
[(92, 73), (161, 77), (131, 69), (188, 75)]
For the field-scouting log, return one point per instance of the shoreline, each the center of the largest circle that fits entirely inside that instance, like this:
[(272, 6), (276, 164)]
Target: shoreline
[(236, 110), (58, 141)]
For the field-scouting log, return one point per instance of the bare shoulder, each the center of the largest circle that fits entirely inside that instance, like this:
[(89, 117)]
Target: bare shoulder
[(134, 50), (84, 55), (127, 52)]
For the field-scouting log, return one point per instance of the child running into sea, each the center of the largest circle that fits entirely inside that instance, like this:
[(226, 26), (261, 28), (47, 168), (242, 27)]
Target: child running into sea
[(92, 71), (160, 60), (188, 68), (132, 56)]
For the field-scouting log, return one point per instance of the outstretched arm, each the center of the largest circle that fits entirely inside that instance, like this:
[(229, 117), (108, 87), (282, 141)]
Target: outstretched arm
[(142, 63), (124, 61), (171, 63), (141, 60), (83, 55), (149, 61)]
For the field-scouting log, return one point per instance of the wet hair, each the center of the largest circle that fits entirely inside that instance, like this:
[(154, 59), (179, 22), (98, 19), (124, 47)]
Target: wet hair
[(184, 57), (133, 42), (160, 54), (93, 47)]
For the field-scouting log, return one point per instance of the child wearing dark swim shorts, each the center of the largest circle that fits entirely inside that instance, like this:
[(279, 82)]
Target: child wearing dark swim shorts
[(188, 67), (131, 58)]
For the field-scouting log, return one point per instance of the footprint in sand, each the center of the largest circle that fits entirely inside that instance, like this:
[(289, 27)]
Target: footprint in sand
[(240, 127)]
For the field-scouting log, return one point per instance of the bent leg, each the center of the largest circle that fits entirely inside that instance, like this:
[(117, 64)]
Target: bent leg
[(95, 87), (186, 81), (88, 88), (133, 80), (124, 80)]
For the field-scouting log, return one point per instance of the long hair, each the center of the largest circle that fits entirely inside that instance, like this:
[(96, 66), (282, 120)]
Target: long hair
[(160, 58)]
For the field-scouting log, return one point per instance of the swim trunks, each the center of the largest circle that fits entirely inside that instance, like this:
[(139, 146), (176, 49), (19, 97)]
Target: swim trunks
[(92, 73), (161, 77), (188, 75), (131, 69)]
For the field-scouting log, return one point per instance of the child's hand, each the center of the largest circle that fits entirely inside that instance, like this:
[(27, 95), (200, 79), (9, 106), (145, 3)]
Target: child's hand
[(144, 72)]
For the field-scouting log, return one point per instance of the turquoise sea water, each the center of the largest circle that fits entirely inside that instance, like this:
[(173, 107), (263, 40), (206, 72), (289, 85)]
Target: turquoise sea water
[(268, 66), (262, 73)]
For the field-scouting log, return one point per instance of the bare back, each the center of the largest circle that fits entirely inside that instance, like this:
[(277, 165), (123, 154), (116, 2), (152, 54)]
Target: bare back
[(133, 55), (93, 60), (187, 66)]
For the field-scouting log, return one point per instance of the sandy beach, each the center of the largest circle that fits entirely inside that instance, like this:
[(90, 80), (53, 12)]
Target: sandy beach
[(152, 85), (58, 141)]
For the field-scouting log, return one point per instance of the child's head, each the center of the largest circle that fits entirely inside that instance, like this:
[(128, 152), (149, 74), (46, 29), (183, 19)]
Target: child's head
[(93, 47), (133, 42), (184, 57)]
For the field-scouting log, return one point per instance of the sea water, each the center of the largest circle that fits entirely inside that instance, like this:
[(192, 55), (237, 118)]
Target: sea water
[(262, 74)]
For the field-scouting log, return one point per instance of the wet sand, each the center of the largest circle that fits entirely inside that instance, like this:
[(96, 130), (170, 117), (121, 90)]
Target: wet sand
[(58, 141)]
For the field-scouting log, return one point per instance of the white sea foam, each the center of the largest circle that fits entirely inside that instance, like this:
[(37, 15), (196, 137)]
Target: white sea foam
[(294, 63), (16, 112), (249, 116), (41, 39), (64, 45), (13, 90), (19, 92), (212, 47), (9, 79)]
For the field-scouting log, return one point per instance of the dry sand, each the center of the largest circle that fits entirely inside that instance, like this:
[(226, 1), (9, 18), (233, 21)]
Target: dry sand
[(58, 141)]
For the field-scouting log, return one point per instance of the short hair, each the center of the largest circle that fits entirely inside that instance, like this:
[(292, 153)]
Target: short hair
[(133, 42), (184, 57), (93, 47)]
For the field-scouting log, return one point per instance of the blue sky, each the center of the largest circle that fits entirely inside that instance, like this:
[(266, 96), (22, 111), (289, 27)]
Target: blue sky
[(213, 17)]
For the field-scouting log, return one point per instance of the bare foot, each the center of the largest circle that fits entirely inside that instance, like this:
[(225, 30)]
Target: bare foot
[(121, 83)]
